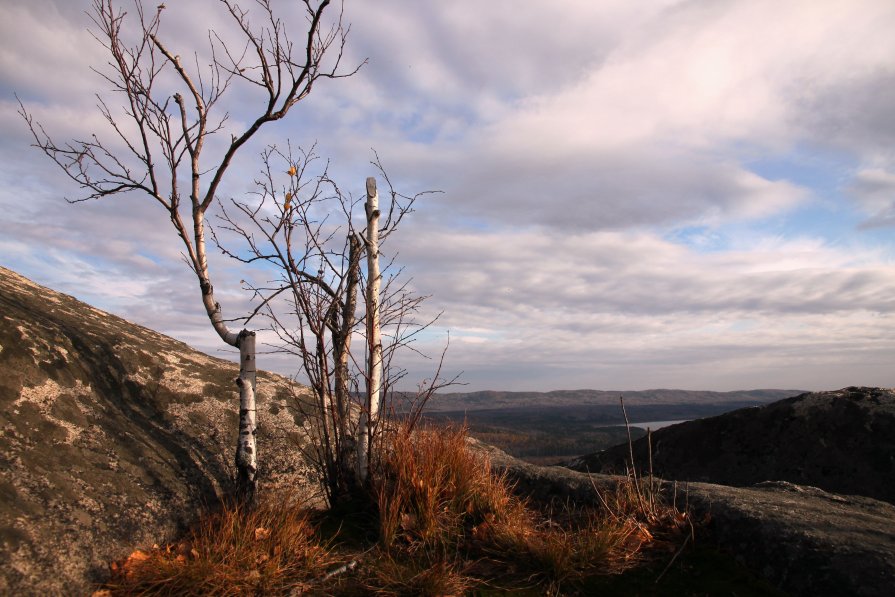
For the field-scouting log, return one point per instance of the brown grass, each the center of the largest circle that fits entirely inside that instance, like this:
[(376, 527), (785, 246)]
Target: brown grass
[(446, 524), (271, 549), (440, 501), (432, 490)]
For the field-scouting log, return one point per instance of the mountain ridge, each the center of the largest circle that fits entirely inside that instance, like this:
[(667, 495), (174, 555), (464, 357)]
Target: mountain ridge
[(495, 399)]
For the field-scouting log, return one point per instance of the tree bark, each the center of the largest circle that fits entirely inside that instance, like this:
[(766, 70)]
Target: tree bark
[(246, 450), (342, 356), (370, 414), (246, 453)]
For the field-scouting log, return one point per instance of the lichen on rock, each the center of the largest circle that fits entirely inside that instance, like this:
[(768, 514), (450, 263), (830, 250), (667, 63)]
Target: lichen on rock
[(113, 437)]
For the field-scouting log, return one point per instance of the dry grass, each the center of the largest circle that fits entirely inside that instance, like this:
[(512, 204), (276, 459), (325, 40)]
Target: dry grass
[(433, 491), (447, 524), (271, 549), (439, 501)]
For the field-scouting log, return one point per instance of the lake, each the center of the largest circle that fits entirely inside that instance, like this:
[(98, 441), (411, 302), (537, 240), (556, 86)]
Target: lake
[(654, 425)]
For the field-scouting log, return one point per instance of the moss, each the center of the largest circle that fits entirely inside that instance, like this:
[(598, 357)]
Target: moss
[(34, 424), (200, 420), (13, 504), (12, 538), (54, 367), (66, 408), (8, 393), (218, 391)]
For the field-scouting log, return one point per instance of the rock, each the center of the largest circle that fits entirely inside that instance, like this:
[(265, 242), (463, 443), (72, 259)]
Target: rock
[(841, 441), (803, 540), (113, 437)]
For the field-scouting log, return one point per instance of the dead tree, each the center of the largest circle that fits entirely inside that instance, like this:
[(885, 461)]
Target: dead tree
[(171, 107), (304, 231)]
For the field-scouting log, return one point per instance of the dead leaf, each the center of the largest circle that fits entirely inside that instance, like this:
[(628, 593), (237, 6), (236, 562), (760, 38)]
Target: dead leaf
[(261, 534), (136, 557), (133, 561)]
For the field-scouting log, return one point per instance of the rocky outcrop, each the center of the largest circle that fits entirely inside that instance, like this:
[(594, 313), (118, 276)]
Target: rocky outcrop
[(113, 436), (801, 539), (841, 441)]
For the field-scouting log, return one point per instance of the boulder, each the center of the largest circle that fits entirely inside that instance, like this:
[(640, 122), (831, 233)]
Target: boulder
[(113, 437)]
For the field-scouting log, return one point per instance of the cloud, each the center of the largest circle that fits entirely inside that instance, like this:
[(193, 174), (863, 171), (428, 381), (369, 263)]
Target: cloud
[(631, 305), (655, 122), (576, 143), (874, 190)]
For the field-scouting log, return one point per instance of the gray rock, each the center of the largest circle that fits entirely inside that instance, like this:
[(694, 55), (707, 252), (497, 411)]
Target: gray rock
[(113, 437), (803, 540)]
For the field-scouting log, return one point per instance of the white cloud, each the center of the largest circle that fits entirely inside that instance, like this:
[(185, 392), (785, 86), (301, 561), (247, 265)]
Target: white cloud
[(569, 138), (874, 189)]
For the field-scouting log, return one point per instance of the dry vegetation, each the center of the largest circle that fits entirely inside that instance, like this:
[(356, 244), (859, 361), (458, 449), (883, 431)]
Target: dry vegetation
[(439, 521)]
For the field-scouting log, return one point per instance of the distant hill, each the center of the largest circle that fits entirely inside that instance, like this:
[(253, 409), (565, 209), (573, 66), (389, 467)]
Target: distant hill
[(549, 427), (841, 441), (491, 400)]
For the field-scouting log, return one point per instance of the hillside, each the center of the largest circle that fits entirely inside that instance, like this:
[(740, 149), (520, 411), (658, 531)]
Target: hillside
[(490, 400), (113, 435), (550, 427), (841, 441)]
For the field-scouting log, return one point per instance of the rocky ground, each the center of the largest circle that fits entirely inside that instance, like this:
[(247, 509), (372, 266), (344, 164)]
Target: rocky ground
[(803, 540), (113, 436)]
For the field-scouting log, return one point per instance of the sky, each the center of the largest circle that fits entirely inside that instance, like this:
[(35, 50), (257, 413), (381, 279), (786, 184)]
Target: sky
[(693, 194)]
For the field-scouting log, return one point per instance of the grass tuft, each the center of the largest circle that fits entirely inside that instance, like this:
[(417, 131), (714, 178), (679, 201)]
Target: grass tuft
[(444, 523), (270, 549), (440, 501), (433, 491)]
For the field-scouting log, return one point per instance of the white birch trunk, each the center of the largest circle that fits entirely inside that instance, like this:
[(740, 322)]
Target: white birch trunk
[(370, 415), (246, 452)]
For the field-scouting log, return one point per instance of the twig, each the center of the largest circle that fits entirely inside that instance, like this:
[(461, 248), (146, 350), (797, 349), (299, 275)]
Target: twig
[(631, 452), (341, 570), (677, 553)]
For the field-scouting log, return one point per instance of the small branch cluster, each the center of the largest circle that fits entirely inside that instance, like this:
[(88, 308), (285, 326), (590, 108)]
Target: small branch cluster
[(322, 304)]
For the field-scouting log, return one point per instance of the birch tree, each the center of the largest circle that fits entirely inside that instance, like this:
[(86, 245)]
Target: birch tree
[(370, 414), (320, 302), (170, 108)]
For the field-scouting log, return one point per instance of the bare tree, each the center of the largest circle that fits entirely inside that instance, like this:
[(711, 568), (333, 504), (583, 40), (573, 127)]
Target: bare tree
[(171, 109), (304, 231)]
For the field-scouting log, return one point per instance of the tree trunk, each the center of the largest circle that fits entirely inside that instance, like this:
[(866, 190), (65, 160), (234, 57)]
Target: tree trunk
[(246, 454), (246, 451), (342, 330), (370, 414)]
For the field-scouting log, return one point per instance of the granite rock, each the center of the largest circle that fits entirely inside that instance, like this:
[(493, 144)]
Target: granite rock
[(113, 437)]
